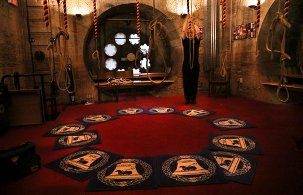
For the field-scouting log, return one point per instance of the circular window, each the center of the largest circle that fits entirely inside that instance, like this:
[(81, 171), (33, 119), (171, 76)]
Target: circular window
[(144, 63), (110, 50), (134, 39), (144, 49), (111, 64), (120, 38)]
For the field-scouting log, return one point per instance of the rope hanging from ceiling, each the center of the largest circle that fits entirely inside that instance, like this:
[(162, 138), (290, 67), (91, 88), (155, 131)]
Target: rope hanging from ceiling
[(258, 14), (286, 8), (156, 28), (138, 19), (223, 53), (280, 19), (223, 14), (46, 13), (65, 73), (96, 54), (64, 15)]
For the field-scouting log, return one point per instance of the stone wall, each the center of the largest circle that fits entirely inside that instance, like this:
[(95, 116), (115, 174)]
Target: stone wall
[(244, 56), (13, 39), (78, 28), (251, 63)]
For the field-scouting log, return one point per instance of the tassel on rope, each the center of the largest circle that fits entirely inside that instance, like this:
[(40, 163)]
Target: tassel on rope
[(95, 54), (65, 15), (258, 14), (189, 20), (138, 17), (286, 8), (223, 13), (95, 19), (46, 17)]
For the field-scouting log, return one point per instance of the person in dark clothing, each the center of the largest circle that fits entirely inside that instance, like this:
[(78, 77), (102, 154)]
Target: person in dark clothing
[(191, 66)]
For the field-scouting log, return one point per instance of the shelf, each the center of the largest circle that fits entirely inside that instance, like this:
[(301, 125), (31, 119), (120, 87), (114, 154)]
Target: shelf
[(128, 85), (289, 86), (132, 83), (127, 75)]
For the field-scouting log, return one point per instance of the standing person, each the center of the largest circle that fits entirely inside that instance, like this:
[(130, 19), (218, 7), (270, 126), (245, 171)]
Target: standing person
[(191, 67)]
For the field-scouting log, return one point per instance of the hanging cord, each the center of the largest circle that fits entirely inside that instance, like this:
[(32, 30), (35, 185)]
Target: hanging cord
[(50, 47), (286, 8), (138, 19), (283, 79), (223, 2), (257, 22), (51, 62), (156, 27), (46, 13), (269, 41), (64, 15), (190, 34), (284, 56), (223, 55), (95, 54), (64, 59), (282, 82), (138, 53), (59, 14)]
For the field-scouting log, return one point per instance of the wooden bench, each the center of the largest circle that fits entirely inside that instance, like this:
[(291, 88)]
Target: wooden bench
[(140, 81)]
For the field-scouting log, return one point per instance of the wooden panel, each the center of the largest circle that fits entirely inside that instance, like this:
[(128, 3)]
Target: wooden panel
[(25, 107)]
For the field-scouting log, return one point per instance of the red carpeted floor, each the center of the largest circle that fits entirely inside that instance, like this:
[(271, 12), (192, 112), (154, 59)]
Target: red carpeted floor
[(279, 170)]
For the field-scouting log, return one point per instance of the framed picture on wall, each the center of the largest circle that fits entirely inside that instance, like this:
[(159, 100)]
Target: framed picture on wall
[(244, 31), (13, 2)]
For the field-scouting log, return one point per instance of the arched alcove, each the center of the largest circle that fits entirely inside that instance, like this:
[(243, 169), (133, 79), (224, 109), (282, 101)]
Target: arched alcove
[(120, 20), (271, 32)]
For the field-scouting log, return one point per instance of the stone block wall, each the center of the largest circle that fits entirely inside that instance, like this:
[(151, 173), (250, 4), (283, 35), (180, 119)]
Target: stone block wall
[(244, 56), (13, 39)]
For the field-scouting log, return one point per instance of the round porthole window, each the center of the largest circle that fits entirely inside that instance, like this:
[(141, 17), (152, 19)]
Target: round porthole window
[(134, 39), (144, 63), (144, 49), (110, 50), (111, 64), (120, 39)]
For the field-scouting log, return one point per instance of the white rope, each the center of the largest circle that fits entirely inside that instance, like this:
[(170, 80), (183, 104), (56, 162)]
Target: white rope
[(154, 25), (118, 81), (286, 25)]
